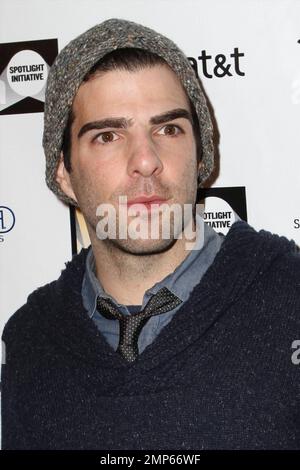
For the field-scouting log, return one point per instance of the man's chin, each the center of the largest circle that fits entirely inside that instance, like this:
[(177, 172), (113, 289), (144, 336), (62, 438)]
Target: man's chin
[(143, 247)]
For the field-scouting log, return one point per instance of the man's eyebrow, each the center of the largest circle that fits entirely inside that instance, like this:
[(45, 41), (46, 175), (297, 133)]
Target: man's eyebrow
[(123, 123), (170, 115), (119, 123)]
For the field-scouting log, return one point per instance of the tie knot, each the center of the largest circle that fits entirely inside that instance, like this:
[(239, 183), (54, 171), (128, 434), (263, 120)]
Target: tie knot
[(131, 325), (163, 301)]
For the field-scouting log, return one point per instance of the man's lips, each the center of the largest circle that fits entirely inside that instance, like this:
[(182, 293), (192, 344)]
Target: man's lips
[(147, 201)]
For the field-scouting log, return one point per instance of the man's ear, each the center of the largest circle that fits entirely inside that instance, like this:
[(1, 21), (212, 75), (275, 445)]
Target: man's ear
[(200, 165), (63, 179)]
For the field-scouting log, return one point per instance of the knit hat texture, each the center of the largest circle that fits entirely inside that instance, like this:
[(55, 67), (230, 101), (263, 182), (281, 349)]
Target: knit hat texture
[(77, 58)]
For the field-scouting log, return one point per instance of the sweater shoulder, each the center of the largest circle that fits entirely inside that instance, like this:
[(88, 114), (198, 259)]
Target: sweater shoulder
[(24, 317), (287, 268), (284, 267), (25, 320), (280, 288)]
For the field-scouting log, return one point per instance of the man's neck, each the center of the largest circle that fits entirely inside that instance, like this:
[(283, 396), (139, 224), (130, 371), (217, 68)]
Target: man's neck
[(126, 276)]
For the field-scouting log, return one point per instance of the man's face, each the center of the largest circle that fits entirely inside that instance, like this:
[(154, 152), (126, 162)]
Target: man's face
[(138, 154)]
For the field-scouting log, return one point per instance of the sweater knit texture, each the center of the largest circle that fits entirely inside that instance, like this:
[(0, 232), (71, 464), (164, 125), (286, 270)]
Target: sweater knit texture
[(218, 376)]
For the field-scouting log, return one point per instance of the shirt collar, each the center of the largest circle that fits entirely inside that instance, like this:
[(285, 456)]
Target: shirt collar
[(181, 281)]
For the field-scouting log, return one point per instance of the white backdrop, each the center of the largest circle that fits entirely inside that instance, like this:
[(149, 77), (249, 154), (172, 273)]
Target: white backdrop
[(256, 109)]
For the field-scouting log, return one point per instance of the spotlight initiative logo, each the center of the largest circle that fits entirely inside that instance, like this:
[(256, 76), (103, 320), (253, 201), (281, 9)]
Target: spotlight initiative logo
[(221, 207), (24, 70)]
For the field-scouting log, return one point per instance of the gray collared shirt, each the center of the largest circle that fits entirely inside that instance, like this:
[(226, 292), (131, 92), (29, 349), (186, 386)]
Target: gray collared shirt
[(181, 282)]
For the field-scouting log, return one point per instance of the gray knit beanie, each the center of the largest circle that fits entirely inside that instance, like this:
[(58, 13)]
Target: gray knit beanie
[(78, 57)]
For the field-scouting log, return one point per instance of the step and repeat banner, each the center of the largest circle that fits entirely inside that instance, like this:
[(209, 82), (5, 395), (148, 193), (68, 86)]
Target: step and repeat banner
[(247, 56)]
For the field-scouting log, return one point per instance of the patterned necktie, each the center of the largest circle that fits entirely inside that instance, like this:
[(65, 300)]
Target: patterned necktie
[(131, 325)]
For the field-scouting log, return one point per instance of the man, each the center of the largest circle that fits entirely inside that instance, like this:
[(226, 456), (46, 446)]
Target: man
[(143, 342)]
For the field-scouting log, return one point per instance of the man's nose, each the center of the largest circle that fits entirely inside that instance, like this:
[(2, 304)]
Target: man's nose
[(144, 159)]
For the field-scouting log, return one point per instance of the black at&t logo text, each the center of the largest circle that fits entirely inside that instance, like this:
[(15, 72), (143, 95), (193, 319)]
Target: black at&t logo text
[(218, 66)]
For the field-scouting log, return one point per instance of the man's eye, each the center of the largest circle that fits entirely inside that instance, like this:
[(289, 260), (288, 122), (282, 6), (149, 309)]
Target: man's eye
[(171, 129), (105, 137)]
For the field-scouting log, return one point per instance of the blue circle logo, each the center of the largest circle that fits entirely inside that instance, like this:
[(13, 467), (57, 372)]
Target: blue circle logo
[(7, 219)]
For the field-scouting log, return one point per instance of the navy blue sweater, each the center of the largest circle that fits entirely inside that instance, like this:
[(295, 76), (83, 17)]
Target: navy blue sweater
[(220, 375)]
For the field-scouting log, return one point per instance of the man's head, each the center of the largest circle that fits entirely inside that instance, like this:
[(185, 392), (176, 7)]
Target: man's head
[(72, 67), (132, 60)]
